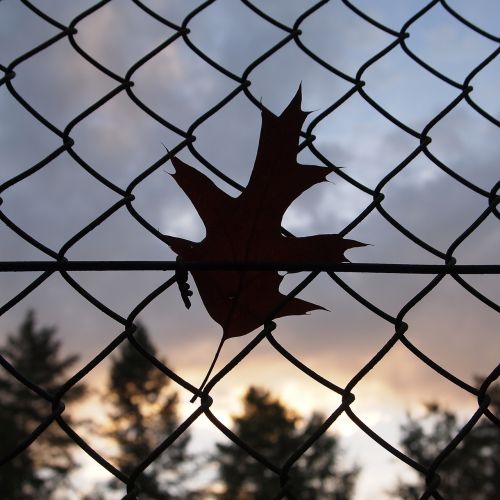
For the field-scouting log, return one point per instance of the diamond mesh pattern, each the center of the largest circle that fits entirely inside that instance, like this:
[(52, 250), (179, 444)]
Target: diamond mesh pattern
[(124, 85)]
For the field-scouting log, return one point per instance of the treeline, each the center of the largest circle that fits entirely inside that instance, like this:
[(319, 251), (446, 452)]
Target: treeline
[(142, 410)]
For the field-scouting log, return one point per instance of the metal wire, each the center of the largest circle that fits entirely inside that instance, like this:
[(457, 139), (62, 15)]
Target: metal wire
[(58, 263)]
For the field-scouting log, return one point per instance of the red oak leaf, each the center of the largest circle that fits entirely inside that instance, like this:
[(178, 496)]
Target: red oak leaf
[(248, 228)]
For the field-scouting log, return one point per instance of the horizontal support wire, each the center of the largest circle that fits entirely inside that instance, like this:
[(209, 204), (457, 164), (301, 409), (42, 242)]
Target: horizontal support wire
[(173, 265)]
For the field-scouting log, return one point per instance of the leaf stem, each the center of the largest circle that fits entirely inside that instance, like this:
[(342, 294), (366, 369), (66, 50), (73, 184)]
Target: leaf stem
[(219, 348)]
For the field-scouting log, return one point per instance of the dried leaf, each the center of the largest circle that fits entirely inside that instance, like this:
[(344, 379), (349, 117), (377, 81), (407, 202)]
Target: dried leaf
[(248, 228)]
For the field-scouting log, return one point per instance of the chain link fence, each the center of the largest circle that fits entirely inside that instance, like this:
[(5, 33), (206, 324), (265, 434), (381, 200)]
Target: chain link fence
[(57, 262)]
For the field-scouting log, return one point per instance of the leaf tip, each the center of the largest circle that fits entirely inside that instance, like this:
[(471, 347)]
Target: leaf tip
[(178, 165), (296, 102)]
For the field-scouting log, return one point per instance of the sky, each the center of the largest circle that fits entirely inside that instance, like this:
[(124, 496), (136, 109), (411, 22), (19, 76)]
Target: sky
[(120, 141)]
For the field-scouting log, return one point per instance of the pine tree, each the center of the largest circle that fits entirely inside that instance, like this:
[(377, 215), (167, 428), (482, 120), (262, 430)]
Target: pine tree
[(274, 430), (44, 467), (471, 471), (144, 411)]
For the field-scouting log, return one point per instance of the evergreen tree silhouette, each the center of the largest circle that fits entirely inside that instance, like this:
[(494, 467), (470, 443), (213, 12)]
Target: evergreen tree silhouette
[(44, 467), (144, 411), (274, 430), (471, 471)]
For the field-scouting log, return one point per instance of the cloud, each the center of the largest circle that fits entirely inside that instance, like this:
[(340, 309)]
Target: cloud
[(119, 141)]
